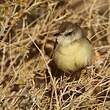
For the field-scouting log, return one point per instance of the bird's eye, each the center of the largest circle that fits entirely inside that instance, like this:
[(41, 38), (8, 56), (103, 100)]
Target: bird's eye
[(69, 33)]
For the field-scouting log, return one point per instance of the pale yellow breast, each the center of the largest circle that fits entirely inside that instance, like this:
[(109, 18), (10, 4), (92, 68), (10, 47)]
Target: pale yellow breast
[(74, 56)]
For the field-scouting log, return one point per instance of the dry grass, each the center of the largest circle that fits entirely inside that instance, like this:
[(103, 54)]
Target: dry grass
[(26, 27)]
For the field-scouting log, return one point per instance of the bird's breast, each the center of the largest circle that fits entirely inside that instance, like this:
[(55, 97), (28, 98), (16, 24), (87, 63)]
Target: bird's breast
[(74, 56)]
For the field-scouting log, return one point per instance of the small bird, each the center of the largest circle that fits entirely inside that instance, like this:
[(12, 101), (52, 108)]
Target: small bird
[(73, 50)]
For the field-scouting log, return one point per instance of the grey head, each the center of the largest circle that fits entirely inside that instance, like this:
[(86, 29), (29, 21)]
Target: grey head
[(68, 33)]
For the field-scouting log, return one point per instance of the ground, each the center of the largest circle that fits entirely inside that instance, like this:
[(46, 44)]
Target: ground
[(27, 33)]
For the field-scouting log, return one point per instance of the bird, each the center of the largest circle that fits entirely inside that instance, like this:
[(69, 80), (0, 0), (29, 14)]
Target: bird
[(73, 50)]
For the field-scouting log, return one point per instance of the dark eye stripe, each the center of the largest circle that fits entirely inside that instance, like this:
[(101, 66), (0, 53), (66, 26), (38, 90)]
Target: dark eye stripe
[(69, 33)]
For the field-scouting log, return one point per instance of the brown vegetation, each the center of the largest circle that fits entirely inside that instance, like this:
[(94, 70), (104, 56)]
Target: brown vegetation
[(27, 29)]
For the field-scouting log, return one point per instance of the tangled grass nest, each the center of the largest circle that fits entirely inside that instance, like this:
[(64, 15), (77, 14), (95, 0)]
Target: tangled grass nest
[(27, 29)]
